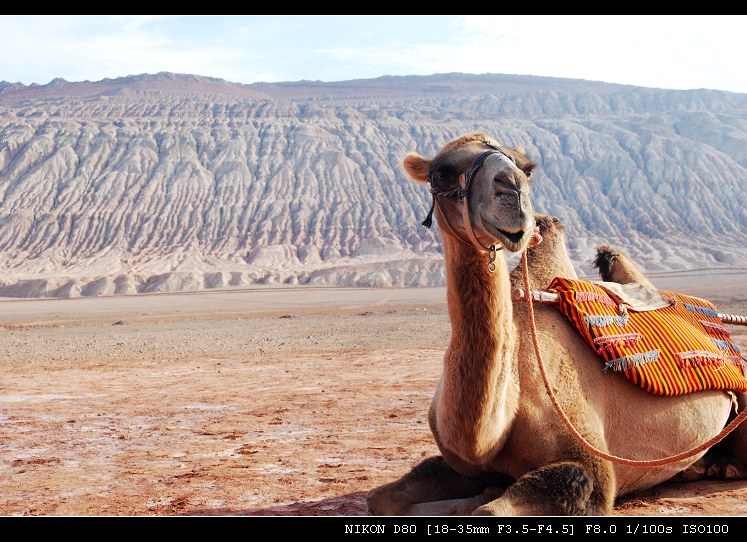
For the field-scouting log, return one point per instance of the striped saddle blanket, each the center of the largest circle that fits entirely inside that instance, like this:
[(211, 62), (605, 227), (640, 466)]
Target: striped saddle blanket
[(670, 347)]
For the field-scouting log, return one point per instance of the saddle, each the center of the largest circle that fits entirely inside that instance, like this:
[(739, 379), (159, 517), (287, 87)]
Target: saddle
[(665, 342)]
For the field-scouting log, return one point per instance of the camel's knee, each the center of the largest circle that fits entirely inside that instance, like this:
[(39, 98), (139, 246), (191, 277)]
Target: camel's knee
[(560, 489), (430, 480), (433, 488)]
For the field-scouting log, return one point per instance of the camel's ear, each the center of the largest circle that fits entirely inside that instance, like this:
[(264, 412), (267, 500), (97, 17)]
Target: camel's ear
[(417, 167), (523, 162)]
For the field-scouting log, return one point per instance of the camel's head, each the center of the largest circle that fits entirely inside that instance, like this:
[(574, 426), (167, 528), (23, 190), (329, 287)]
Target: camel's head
[(480, 191), (549, 228)]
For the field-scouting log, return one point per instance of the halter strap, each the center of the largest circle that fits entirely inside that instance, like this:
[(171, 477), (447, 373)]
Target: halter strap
[(463, 192), (465, 213)]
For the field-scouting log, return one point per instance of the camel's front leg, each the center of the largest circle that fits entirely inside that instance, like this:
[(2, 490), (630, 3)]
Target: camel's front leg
[(557, 489), (431, 488)]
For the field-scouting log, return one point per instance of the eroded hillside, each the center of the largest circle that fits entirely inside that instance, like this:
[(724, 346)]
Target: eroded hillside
[(168, 182)]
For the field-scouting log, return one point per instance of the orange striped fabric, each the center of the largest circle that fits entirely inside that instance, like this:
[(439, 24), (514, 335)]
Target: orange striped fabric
[(670, 351)]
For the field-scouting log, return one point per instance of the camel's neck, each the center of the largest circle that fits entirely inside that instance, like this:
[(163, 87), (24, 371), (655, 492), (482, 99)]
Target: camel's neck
[(479, 382)]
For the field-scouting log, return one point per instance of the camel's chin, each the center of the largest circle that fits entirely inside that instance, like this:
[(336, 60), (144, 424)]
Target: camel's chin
[(513, 242)]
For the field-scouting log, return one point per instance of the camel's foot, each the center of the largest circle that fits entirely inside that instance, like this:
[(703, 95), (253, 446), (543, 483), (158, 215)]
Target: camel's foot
[(450, 507), (431, 488), (696, 471), (380, 503), (721, 466), (727, 467)]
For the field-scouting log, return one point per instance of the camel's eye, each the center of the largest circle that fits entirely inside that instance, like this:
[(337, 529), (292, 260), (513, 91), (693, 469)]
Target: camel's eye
[(529, 169), (443, 177)]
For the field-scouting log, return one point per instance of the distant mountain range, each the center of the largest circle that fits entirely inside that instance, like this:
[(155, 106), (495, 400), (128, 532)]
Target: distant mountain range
[(170, 182)]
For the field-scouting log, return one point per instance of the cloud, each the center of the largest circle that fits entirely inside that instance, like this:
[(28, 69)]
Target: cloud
[(668, 51)]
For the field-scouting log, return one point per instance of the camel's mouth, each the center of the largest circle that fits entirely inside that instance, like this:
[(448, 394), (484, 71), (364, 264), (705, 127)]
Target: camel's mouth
[(512, 241)]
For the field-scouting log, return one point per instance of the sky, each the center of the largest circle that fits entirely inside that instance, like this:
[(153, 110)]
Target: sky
[(660, 51)]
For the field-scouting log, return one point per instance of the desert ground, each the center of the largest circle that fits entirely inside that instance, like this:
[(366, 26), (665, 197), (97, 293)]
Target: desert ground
[(259, 402)]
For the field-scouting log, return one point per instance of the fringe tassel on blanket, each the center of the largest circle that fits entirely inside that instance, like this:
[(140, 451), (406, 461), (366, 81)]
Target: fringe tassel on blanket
[(698, 358), (721, 330), (604, 320), (608, 342), (596, 297), (702, 310), (725, 345), (739, 361), (628, 362)]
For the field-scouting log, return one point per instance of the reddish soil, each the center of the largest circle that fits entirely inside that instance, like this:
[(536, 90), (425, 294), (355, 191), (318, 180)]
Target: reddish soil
[(274, 402)]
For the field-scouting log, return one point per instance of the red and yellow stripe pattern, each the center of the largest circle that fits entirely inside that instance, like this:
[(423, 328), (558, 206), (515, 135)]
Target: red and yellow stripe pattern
[(670, 351)]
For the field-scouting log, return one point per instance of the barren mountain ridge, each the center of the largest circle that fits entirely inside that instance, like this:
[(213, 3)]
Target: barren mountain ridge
[(174, 182)]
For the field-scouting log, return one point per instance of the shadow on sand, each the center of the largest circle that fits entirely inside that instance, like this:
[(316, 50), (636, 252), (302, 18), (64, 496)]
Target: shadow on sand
[(352, 504)]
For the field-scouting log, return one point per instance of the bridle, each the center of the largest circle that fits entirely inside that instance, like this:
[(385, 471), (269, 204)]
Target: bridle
[(465, 180)]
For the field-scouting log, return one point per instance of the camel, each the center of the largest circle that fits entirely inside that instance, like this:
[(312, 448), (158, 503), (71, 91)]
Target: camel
[(548, 258), (615, 265), (504, 449)]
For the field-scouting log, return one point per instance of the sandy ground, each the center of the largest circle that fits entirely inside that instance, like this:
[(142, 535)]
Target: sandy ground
[(266, 402)]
